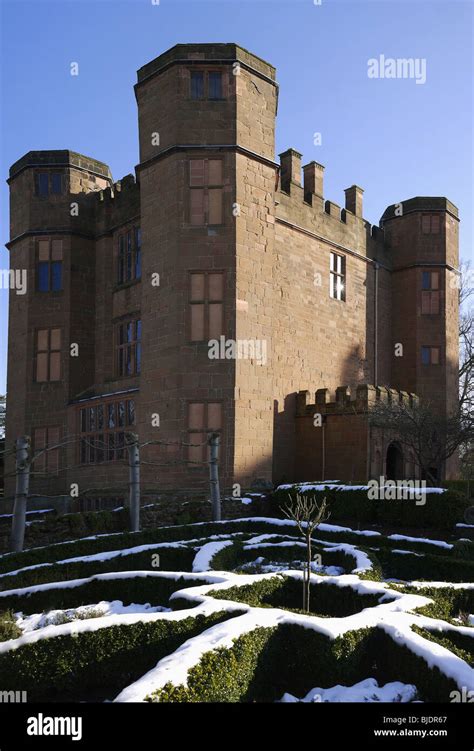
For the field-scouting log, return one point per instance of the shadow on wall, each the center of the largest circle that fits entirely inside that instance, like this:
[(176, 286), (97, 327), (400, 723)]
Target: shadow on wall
[(284, 439)]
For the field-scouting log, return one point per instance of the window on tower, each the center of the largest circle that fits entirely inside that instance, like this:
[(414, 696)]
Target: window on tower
[(430, 355), (206, 192), (49, 266), (48, 183), (206, 303), (203, 418), (48, 355), (430, 224), (430, 293), (206, 84), (197, 84)]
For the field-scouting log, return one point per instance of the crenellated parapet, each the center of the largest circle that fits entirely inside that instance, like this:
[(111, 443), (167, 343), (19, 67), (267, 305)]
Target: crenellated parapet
[(302, 203), (365, 398)]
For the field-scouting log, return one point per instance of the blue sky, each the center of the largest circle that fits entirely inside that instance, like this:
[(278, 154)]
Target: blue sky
[(394, 138)]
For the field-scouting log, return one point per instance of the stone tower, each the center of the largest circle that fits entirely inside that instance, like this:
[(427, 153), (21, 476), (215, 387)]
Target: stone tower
[(206, 118), (423, 242)]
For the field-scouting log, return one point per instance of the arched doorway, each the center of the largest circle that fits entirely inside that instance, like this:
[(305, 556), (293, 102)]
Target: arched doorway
[(394, 469)]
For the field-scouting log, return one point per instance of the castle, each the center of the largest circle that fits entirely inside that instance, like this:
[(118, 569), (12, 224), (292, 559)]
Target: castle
[(213, 239)]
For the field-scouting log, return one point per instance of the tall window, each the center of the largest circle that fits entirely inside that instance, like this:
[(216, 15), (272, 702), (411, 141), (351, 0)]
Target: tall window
[(129, 266), (430, 224), (206, 191), (48, 183), (203, 418), (206, 84), (430, 355), (128, 347), (42, 439), (430, 293), (206, 303), (48, 355), (337, 276), (102, 430), (49, 265)]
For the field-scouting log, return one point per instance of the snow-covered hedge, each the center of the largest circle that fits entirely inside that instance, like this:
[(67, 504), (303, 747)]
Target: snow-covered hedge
[(326, 599), (95, 664), (129, 587), (441, 508), (265, 663), (172, 557)]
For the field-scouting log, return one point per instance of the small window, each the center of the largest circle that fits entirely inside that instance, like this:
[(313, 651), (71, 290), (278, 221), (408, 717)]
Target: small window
[(206, 189), (197, 84), (206, 303), (430, 355), (129, 257), (128, 348), (42, 184), (48, 183), (206, 84), (56, 183), (337, 277), (46, 438), (215, 85), (430, 301), (48, 355), (49, 265), (203, 417), (430, 224)]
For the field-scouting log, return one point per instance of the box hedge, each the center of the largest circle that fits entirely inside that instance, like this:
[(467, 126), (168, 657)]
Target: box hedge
[(95, 665), (441, 510), (137, 589), (171, 559), (330, 600), (267, 662)]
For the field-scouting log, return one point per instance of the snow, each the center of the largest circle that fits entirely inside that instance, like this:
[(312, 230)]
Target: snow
[(439, 543), (432, 653), (39, 511), (406, 552), (202, 561), (71, 583), (55, 617), (106, 555), (363, 562), (175, 667), (364, 691), (305, 487), (395, 613)]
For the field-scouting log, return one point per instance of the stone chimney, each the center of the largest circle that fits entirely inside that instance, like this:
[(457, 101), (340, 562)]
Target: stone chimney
[(313, 180), (354, 199), (290, 171)]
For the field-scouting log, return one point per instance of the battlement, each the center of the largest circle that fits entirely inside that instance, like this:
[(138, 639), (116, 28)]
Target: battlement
[(366, 397), (303, 203), (120, 189)]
